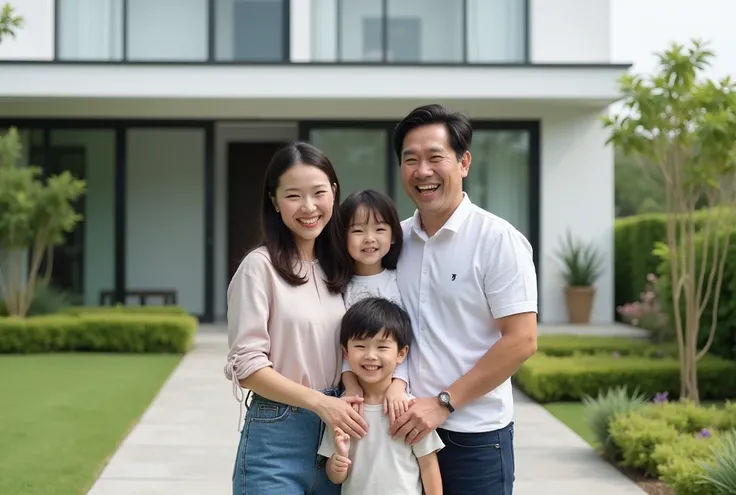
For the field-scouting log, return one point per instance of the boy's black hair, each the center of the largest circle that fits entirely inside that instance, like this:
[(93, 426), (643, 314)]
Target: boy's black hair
[(368, 317), (382, 209)]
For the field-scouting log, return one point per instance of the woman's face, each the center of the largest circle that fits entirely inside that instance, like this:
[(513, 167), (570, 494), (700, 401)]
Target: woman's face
[(305, 199)]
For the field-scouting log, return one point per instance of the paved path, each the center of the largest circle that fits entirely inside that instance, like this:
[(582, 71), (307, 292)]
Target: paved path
[(185, 443)]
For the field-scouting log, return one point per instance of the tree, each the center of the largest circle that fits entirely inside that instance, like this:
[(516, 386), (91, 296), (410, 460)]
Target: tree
[(686, 126), (9, 22), (34, 217)]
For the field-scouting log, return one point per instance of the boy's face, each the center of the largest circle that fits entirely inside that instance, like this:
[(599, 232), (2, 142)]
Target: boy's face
[(374, 359)]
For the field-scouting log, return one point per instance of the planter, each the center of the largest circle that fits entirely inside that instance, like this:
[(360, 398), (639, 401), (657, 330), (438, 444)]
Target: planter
[(579, 304)]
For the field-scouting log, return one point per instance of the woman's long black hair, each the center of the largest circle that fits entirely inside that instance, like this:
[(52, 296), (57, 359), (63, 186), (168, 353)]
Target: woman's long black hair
[(329, 247)]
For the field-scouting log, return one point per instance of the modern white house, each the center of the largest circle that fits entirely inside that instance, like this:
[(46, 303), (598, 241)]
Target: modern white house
[(170, 109)]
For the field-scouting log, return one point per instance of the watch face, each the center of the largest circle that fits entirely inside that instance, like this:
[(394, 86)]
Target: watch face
[(444, 397)]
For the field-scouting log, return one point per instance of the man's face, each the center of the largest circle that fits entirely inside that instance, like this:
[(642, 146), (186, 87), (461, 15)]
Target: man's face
[(431, 172)]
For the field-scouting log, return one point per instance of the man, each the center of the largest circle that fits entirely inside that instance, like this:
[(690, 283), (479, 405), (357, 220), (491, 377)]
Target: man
[(468, 281)]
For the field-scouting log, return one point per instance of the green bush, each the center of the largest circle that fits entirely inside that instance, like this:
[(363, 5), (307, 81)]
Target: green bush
[(120, 309), (600, 411), (724, 343), (546, 378), (678, 463), (569, 345), (157, 333), (637, 436), (47, 300), (634, 241), (720, 471)]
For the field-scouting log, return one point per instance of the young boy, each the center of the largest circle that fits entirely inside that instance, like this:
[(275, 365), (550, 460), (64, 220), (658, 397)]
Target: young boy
[(375, 335)]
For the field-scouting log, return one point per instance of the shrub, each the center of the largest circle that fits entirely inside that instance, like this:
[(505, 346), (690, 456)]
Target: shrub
[(685, 417), (720, 473), (569, 345), (724, 343), (120, 309), (46, 300), (679, 463), (599, 413), (546, 378), (637, 436), (122, 332), (647, 312)]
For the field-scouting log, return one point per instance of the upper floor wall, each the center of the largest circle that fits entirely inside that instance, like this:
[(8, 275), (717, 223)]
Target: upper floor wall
[(304, 31)]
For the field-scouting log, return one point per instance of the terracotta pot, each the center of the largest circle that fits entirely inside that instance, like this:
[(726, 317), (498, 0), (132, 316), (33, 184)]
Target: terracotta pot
[(579, 304)]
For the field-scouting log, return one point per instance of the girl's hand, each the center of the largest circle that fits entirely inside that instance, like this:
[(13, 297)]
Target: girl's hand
[(342, 443), (395, 402), (354, 395), (340, 463), (339, 413)]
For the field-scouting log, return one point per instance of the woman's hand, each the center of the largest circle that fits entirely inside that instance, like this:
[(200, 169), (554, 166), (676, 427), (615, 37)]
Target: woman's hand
[(340, 413), (395, 402), (354, 396)]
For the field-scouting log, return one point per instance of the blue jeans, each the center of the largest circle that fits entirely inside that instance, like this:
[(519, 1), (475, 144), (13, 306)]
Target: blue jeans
[(277, 454), (477, 463)]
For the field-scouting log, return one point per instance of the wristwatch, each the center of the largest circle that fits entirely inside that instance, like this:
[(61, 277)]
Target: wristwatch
[(444, 398)]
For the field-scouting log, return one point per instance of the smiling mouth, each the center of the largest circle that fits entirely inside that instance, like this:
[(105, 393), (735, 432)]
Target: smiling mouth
[(371, 368), (308, 222), (369, 250), (427, 188)]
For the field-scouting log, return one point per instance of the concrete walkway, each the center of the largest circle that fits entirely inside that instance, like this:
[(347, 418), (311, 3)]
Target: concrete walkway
[(185, 443)]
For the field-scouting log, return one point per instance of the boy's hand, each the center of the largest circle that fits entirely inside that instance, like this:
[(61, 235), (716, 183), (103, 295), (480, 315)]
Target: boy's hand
[(342, 444), (340, 463), (395, 402)]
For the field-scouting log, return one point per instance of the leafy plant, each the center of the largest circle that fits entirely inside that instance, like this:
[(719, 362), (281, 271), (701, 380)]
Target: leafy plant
[(686, 126), (582, 262), (34, 216), (721, 471), (599, 413), (647, 312), (47, 300), (9, 22)]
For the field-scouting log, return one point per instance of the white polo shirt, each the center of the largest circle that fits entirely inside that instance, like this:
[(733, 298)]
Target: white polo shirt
[(454, 285)]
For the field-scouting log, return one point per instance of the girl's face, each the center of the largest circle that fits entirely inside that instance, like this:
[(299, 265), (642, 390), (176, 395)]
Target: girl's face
[(305, 199), (369, 240)]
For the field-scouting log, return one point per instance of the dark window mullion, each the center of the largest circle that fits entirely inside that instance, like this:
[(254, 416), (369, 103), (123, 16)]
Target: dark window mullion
[(211, 30), (384, 30), (125, 31)]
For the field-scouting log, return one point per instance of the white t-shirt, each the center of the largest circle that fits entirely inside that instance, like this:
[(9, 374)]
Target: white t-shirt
[(380, 464), (380, 285)]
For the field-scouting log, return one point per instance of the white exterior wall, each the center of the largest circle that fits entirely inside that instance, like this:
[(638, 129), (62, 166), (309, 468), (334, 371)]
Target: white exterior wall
[(577, 193), (35, 40)]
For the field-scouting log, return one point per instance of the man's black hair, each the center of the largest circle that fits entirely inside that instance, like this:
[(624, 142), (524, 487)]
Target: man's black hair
[(373, 315), (459, 130)]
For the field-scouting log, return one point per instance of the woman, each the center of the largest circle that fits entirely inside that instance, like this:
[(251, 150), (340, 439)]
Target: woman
[(284, 312)]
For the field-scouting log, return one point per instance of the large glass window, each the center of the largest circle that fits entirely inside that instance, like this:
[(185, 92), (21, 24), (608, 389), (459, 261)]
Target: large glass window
[(358, 155), (499, 175), (250, 30), (90, 29), (411, 31), (167, 30)]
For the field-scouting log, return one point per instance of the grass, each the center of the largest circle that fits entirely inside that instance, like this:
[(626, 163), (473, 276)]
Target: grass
[(573, 415), (63, 415)]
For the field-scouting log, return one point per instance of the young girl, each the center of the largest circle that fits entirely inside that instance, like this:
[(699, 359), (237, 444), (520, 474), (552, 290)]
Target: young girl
[(374, 237), (284, 310)]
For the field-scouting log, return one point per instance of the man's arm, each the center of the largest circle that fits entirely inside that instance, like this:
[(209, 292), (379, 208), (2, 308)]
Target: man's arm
[(518, 343), (430, 471)]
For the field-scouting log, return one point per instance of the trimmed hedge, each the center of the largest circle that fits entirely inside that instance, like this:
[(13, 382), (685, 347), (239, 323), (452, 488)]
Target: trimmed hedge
[(120, 309), (111, 332), (570, 345), (548, 378), (634, 241), (724, 343)]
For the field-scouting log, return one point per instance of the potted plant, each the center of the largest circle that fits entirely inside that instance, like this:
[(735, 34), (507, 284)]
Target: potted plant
[(582, 268)]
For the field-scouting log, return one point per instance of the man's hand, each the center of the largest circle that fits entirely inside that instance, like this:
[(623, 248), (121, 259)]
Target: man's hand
[(423, 417)]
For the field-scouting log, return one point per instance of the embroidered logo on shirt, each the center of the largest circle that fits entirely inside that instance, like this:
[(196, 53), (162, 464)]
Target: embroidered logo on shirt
[(453, 276)]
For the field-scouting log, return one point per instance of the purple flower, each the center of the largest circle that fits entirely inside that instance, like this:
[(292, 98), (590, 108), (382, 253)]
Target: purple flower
[(704, 433), (661, 397)]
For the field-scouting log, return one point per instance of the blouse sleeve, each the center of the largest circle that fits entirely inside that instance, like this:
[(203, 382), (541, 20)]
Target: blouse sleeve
[(247, 319)]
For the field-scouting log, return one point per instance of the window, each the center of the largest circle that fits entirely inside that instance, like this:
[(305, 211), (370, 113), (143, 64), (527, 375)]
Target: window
[(251, 30), (499, 175), (358, 155), (496, 31), (167, 30), (90, 29)]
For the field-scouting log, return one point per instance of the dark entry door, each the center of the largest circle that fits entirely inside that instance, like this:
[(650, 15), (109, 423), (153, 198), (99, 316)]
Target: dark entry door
[(246, 164)]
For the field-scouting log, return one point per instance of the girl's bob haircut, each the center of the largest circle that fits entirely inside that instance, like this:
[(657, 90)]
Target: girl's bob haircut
[(381, 209)]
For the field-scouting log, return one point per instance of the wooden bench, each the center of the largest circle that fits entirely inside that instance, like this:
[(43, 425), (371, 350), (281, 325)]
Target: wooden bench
[(168, 296)]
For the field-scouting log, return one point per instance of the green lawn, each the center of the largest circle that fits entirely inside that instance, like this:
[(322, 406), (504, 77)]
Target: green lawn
[(63, 415), (573, 415)]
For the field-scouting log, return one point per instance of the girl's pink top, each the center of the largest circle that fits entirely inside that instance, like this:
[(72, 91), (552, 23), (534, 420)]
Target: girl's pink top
[(294, 329)]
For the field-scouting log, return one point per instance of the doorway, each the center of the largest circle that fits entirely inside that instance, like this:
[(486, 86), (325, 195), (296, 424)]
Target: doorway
[(246, 169)]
